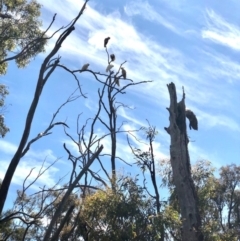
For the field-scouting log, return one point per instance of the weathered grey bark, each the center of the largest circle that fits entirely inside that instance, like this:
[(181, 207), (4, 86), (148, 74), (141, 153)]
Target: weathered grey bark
[(180, 161)]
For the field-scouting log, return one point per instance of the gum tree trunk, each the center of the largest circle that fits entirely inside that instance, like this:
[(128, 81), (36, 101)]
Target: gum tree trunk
[(180, 161)]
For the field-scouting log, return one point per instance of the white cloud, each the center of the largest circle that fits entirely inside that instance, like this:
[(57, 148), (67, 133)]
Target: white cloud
[(220, 31), (41, 155), (222, 67), (91, 104), (135, 122), (182, 5), (196, 153), (33, 159), (145, 10), (23, 170), (7, 147), (215, 120), (147, 59), (47, 179)]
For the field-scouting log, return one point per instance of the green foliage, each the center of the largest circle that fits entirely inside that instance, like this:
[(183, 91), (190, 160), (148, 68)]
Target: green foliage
[(218, 201), (127, 213), (122, 215), (25, 220), (3, 92), (20, 38), (5, 230)]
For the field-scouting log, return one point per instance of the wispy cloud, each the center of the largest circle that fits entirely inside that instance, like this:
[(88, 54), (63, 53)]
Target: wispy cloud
[(197, 153), (218, 120), (141, 52), (182, 6), (32, 160), (7, 147), (223, 67), (135, 122), (147, 59), (25, 167), (41, 155), (146, 11), (48, 178), (220, 31)]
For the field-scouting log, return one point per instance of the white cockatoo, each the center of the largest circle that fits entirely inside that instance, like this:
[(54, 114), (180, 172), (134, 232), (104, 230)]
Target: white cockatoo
[(85, 66), (109, 67), (124, 73)]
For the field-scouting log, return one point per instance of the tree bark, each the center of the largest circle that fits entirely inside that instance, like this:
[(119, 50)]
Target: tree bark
[(180, 161)]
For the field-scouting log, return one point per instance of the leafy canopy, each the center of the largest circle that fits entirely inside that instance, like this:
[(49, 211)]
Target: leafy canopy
[(20, 35)]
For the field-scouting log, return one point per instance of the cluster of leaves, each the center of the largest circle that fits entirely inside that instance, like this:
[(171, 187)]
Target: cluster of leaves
[(21, 38), (218, 200), (3, 93), (124, 214)]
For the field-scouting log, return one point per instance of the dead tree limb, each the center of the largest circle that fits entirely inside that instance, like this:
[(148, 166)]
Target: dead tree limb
[(180, 161)]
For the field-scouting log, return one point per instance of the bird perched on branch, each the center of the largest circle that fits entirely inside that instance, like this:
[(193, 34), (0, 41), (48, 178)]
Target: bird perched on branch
[(112, 56), (124, 73), (106, 41), (85, 66), (116, 80), (109, 67), (193, 122)]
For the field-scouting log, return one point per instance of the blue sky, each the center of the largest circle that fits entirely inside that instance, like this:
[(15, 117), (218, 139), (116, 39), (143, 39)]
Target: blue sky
[(195, 44)]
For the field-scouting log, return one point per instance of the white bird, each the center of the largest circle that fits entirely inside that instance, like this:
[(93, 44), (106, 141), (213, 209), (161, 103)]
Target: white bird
[(124, 73), (85, 66), (109, 67)]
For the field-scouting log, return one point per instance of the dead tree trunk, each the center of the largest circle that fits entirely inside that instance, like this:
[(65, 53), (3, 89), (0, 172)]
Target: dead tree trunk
[(180, 161)]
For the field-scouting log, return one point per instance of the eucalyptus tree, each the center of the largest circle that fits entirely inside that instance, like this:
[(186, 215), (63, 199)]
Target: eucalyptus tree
[(21, 39)]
